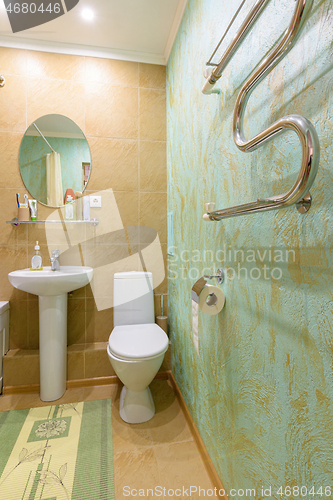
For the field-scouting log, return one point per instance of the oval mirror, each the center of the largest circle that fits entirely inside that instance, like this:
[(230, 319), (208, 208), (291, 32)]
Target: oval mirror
[(54, 156)]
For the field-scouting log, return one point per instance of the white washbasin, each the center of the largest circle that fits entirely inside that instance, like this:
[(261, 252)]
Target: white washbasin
[(52, 288), (47, 282)]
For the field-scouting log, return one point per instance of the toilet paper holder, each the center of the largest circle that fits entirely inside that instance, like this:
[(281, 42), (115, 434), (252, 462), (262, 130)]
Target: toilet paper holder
[(219, 275)]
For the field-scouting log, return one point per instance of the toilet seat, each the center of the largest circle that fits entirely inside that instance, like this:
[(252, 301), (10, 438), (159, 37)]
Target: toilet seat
[(136, 342)]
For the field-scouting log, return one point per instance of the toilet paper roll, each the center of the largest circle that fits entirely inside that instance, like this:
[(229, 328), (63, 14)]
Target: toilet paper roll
[(210, 298)]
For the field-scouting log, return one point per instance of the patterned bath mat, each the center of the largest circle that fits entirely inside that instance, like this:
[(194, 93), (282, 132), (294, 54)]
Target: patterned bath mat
[(60, 452)]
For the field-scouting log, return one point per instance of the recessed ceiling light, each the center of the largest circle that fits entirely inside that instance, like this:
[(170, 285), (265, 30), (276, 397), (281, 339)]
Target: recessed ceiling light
[(88, 14)]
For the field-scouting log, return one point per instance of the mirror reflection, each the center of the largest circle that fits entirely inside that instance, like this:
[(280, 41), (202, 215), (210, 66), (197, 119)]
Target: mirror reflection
[(54, 156)]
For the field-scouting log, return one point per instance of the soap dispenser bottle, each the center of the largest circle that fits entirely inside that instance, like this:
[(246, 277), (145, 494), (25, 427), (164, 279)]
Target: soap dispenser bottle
[(36, 261)]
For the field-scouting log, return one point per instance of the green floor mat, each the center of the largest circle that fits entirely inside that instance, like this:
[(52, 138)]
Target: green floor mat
[(60, 452)]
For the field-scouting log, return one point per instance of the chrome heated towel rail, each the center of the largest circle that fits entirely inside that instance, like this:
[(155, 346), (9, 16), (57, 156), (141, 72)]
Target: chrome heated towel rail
[(299, 193)]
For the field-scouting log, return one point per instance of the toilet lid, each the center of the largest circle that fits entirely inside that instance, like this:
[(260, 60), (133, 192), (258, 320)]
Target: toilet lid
[(138, 341)]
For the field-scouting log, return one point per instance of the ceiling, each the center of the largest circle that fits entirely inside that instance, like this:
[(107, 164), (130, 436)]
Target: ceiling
[(134, 30)]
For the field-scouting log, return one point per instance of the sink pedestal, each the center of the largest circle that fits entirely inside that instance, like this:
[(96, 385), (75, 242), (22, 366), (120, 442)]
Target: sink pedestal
[(52, 288), (52, 346)]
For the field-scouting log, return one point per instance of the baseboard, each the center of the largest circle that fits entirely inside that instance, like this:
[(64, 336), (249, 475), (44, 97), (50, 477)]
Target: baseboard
[(20, 389), (74, 384), (198, 440), (90, 382)]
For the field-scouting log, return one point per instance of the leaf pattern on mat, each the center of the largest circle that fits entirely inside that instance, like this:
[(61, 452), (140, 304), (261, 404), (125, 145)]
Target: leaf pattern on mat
[(50, 478), (70, 406), (25, 456), (62, 471)]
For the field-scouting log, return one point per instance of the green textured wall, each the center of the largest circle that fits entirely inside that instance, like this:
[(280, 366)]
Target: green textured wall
[(261, 388)]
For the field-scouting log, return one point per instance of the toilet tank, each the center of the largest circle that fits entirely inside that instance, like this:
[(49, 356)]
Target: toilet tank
[(133, 298)]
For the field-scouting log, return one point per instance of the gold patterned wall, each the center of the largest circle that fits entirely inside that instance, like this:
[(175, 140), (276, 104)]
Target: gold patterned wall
[(120, 106)]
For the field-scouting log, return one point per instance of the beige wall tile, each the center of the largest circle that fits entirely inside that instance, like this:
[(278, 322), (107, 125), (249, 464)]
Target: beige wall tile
[(10, 173), (13, 99), (99, 324), (56, 66), (13, 61), (112, 260), (97, 363), (18, 328), (152, 114), (75, 365), (33, 322), (76, 321), (155, 261), (12, 258), (55, 97), (128, 206), (153, 213), (111, 111), (100, 255), (21, 369), (153, 174), (152, 76), (114, 164), (166, 365), (112, 71)]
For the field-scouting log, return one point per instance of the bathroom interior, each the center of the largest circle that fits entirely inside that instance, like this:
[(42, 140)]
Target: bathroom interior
[(176, 187)]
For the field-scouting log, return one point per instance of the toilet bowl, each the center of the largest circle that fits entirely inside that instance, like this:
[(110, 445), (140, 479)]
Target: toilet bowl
[(136, 345)]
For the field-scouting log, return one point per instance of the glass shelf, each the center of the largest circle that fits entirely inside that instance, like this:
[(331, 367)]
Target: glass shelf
[(16, 222)]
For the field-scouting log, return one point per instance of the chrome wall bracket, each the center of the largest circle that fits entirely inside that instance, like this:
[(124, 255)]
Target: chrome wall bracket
[(2, 81), (304, 205), (219, 276)]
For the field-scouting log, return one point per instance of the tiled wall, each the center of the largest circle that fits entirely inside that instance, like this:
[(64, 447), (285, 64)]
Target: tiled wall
[(120, 106), (260, 389)]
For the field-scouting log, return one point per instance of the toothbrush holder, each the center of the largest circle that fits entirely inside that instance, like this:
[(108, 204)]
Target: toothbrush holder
[(23, 214)]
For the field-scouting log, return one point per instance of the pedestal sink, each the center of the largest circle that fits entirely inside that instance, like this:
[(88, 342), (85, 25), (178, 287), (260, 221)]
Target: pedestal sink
[(52, 288)]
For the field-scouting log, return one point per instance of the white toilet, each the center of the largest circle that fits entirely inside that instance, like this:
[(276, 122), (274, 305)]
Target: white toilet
[(136, 345)]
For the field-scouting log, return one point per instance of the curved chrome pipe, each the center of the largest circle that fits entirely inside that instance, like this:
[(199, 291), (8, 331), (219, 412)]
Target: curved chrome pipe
[(2, 81), (306, 132)]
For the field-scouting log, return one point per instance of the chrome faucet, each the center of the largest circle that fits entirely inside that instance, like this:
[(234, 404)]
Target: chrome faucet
[(55, 266)]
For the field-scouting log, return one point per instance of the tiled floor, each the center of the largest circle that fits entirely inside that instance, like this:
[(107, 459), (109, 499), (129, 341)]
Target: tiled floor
[(158, 454)]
